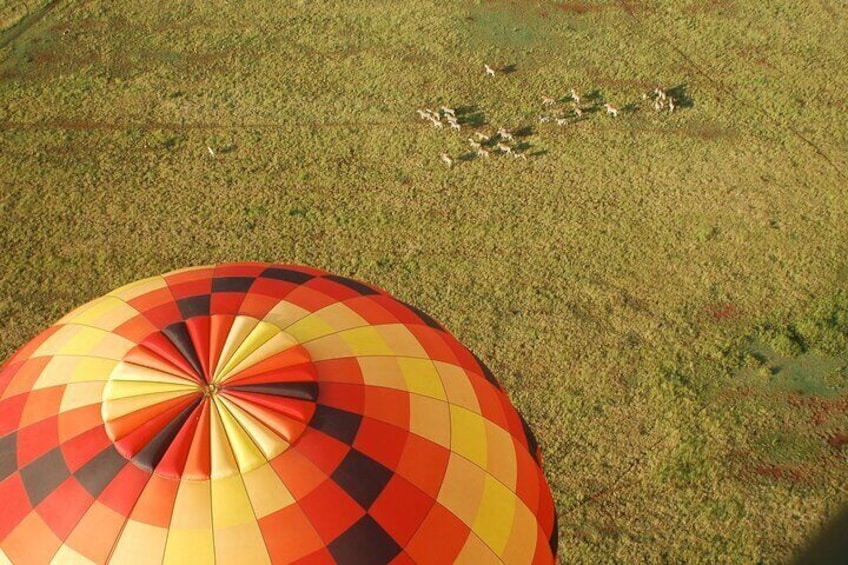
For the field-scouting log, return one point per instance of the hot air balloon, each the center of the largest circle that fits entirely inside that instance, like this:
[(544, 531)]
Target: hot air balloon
[(256, 413)]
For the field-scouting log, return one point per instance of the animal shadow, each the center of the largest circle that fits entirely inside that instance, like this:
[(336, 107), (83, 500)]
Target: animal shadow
[(476, 120), (681, 96), (470, 115), (508, 69), (595, 96), (524, 131), (630, 108)]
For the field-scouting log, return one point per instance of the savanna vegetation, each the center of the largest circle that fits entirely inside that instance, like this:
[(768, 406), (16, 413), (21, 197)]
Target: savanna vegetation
[(664, 295)]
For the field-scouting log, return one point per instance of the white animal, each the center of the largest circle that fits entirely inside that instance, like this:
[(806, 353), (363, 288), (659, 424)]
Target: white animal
[(660, 93), (671, 105), (447, 111), (575, 96), (481, 137), (544, 119), (211, 151), (446, 159), (548, 101), (473, 143), (489, 70), (436, 123), (422, 114), (520, 156), (482, 152), (505, 148), (611, 110), (578, 112), (456, 126), (658, 105), (562, 121), (505, 134)]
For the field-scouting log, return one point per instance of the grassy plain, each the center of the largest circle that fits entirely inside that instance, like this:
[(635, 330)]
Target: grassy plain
[(665, 296)]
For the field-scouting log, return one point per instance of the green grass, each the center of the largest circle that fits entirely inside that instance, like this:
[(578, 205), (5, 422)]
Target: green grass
[(618, 282)]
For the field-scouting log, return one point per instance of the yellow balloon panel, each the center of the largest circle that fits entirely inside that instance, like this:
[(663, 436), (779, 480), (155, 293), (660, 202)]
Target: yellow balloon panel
[(140, 544)]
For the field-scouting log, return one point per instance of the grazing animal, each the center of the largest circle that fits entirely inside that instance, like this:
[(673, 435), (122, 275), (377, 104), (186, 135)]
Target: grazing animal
[(211, 151), (611, 110), (447, 111), (544, 119), (446, 159), (548, 101), (451, 119), (489, 70), (575, 96), (660, 93), (658, 105), (482, 152), (456, 126), (520, 156), (578, 112), (671, 105), (482, 137), (505, 148), (561, 121), (424, 115), (474, 144), (505, 134), (436, 123)]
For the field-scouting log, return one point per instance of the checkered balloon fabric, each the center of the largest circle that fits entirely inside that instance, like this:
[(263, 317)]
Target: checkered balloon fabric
[(257, 413)]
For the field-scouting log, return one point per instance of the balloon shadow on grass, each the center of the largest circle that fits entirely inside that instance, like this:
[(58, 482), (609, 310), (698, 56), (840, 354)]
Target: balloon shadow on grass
[(828, 545)]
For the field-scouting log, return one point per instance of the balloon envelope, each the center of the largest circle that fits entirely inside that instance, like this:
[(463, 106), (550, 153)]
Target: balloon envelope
[(256, 413)]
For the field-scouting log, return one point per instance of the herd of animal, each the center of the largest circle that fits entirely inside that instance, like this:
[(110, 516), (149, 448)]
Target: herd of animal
[(502, 142)]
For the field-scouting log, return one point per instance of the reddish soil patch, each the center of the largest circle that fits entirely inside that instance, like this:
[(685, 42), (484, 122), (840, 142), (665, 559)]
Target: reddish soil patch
[(709, 132), (43, 63), (40, 59), (780, 473), (722, 311), (78, 27), (818, 404), (837, 440), (581, 8), (821, 410), (748, 467)]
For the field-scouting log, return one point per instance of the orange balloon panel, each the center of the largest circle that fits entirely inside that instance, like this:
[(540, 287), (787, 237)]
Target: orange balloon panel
[(257, 413)]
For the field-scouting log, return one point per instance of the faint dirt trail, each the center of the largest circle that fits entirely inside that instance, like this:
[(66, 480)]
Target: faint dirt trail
[(86, 125), (699, 69), (26, 22)]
